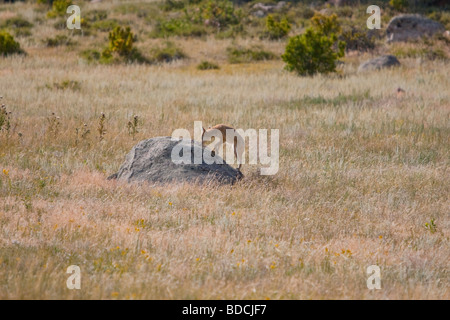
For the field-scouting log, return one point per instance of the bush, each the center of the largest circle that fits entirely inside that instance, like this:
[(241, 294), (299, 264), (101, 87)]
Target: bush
[(399, 5), (120, 47), (8, 45), (424, 52), (66, 84), (96, 15), (327, 25), (121, 40), (170, 5), (59, 8), (442, 17), (221, 13), (178, 27), (58, 40), (105, 25), (167, 54), (19, 25), (312, 52), (206, 65), (48, 2), (243, 55), (277, 29), (91, 55), (356, 39), (17, 22)]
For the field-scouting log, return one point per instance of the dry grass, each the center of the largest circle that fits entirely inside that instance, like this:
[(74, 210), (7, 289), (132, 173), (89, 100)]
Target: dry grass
[(361, 172)]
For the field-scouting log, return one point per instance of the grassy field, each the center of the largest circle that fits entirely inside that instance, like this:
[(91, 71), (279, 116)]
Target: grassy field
[(364, 175)]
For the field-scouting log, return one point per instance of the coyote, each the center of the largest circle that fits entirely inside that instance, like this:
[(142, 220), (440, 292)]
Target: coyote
[(238, 147)]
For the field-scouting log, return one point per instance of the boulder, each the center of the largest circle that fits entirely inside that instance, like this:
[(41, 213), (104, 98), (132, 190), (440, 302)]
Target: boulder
[(151, 160), (411, 26), (381, 62)]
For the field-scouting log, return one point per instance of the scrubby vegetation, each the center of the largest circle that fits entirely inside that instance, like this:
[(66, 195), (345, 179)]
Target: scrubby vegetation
[(8, 45), (238, 54), (58, 40), (206, 65), (277, 29), (169, 52), (120, 48), (59, 8), (317, 50)]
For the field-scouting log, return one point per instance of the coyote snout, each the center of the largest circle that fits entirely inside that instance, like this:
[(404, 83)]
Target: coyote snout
[(238, 141)]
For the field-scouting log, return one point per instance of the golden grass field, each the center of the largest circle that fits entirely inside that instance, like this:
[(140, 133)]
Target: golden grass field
[(362, 172)]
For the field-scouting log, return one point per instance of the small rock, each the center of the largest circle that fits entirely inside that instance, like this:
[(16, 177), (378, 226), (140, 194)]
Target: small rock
[(378, 63)]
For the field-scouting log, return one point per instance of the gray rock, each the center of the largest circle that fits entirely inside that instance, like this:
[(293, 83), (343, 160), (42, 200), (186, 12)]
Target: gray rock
[(150, 160), (377, 63), (409, 26)]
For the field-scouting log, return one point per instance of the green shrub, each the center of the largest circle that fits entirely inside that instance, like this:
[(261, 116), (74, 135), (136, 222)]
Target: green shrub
[(20, 26), (206, 65), (8, 45), (105, 25), (442, 17), (17, 22), (244, 55), (167, 54), (22, 32), (221, 13), (277, 29), (96, 15), (121, 40), (60, 24), (345, 11), (120, 47), (178, 27), (59, 40), (356, 39), (327, 25), (312, 52), (48, 2), (59, 8), (231, 32), (91, 55), (306, 13), (424, 52), (170, 5), (66, 84), (399, 5)]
